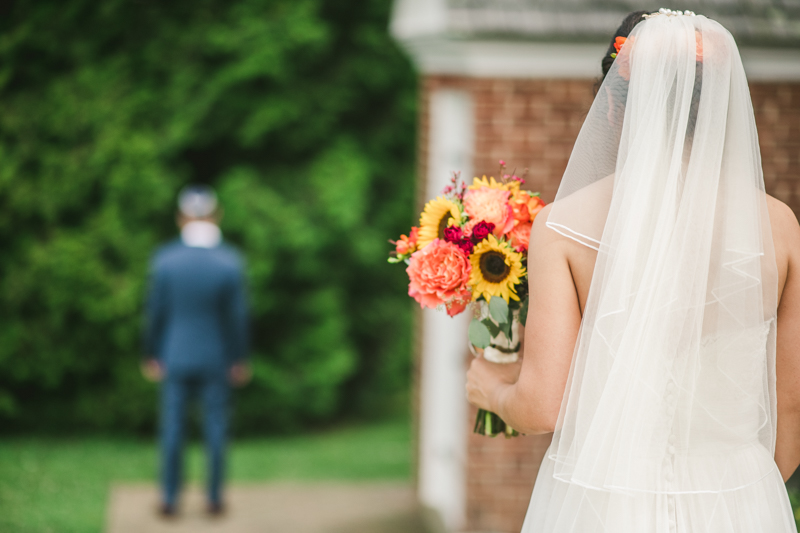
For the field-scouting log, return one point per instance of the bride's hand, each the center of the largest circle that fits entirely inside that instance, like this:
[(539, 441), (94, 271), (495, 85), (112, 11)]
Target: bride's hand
[(484, 379)]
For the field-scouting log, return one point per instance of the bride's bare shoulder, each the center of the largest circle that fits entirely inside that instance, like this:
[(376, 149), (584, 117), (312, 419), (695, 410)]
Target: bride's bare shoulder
[(786, 239), (785, 228), (780, 210)]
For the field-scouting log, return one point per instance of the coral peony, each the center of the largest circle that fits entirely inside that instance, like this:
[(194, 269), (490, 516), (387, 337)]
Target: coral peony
[(439, 275), (520, 236), (491, 205)]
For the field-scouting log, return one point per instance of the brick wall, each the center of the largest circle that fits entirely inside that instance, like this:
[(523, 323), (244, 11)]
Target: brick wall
[(777, 110), (530, 124), (533, 124)]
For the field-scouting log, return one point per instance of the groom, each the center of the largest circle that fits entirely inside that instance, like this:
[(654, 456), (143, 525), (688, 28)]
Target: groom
[(195, 338)]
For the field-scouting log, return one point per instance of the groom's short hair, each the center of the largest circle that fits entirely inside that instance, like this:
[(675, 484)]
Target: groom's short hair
[(197, 201)]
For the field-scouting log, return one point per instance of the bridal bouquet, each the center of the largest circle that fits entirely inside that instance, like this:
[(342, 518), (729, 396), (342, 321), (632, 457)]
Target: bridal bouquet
[(471, 247)]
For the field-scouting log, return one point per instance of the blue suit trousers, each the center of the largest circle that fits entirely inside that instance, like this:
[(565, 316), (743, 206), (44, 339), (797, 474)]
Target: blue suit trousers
[(176, 393)]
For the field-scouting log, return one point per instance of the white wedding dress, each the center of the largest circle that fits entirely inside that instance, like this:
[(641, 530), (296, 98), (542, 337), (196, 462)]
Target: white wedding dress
[(668, 419)]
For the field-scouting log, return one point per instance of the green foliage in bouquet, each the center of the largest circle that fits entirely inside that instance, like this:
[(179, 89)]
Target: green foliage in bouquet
[(482, 330), (300, 112)]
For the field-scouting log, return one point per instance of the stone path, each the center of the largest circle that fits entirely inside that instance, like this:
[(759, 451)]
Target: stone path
[(274, 508)]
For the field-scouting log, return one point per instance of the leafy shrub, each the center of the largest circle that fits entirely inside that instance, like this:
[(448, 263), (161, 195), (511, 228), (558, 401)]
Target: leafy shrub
[(300, 112)]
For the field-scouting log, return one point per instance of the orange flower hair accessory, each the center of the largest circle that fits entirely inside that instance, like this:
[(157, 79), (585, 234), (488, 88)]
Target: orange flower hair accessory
[(698, 37), (618, 42)]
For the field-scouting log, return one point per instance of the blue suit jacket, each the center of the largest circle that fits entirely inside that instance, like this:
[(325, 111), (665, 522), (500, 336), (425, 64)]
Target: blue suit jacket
[(197, 319)]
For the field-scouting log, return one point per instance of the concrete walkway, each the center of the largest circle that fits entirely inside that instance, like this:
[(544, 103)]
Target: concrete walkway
[(274, 508)]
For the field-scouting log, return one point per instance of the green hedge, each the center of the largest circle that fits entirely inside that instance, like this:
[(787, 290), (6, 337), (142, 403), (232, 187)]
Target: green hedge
[(300, 112)]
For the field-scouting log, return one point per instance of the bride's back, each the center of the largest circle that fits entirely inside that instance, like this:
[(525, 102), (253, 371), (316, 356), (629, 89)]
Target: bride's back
[(785, 235), (664, 305)]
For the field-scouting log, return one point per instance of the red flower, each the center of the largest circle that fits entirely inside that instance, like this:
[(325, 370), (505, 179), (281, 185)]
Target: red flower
[(466, 246), (453, 234), (618, 42), (481, 230)]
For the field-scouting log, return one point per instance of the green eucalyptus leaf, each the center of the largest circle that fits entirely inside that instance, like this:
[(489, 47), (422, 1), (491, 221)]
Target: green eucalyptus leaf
[(523, 312), (494, 329), (498, 308), (506, 327), (479, 334)]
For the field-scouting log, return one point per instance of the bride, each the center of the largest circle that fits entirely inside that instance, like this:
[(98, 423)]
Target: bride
[(663, 338)]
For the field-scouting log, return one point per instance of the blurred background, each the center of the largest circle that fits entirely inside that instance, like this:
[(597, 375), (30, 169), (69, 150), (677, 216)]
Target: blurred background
[(301, 113)]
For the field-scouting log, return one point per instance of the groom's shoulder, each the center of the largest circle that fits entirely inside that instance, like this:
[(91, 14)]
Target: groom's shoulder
[(165, 251), (230, 255)]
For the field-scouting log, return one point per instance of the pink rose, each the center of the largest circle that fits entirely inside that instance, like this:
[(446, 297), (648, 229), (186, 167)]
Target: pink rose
[(520, 236), (491, 205), (439, 274)]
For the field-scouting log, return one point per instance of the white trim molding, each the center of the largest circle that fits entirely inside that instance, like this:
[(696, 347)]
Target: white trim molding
[(413, 18), (771, 64), (505, 59), (437, 55), (443, 406)]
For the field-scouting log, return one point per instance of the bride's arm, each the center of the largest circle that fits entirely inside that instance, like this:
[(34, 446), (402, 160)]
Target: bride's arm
[(787, 241), (531, 401)]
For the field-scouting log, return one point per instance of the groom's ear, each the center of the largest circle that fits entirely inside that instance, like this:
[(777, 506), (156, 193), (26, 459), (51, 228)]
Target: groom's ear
[(180, 219)]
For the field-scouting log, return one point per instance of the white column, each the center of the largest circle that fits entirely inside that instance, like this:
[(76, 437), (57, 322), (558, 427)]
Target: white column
[(443, 406)]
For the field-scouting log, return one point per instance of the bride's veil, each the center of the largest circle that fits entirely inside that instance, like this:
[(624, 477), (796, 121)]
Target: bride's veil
[(672, 385)]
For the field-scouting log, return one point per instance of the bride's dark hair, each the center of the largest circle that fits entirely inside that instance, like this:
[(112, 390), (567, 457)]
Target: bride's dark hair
[(625, 29), (628, 23)]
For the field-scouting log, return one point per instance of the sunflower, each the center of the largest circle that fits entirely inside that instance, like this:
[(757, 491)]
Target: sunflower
[(436, 217), (496, 269), (512, 186)]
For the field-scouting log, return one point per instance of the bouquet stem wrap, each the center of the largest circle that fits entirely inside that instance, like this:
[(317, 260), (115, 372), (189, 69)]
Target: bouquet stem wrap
[(502, 325)]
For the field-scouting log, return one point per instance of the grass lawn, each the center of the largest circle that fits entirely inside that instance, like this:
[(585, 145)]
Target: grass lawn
[(61, 486)]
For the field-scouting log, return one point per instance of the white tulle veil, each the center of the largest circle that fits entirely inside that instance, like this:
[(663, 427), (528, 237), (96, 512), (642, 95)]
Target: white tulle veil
[(672, 385)]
